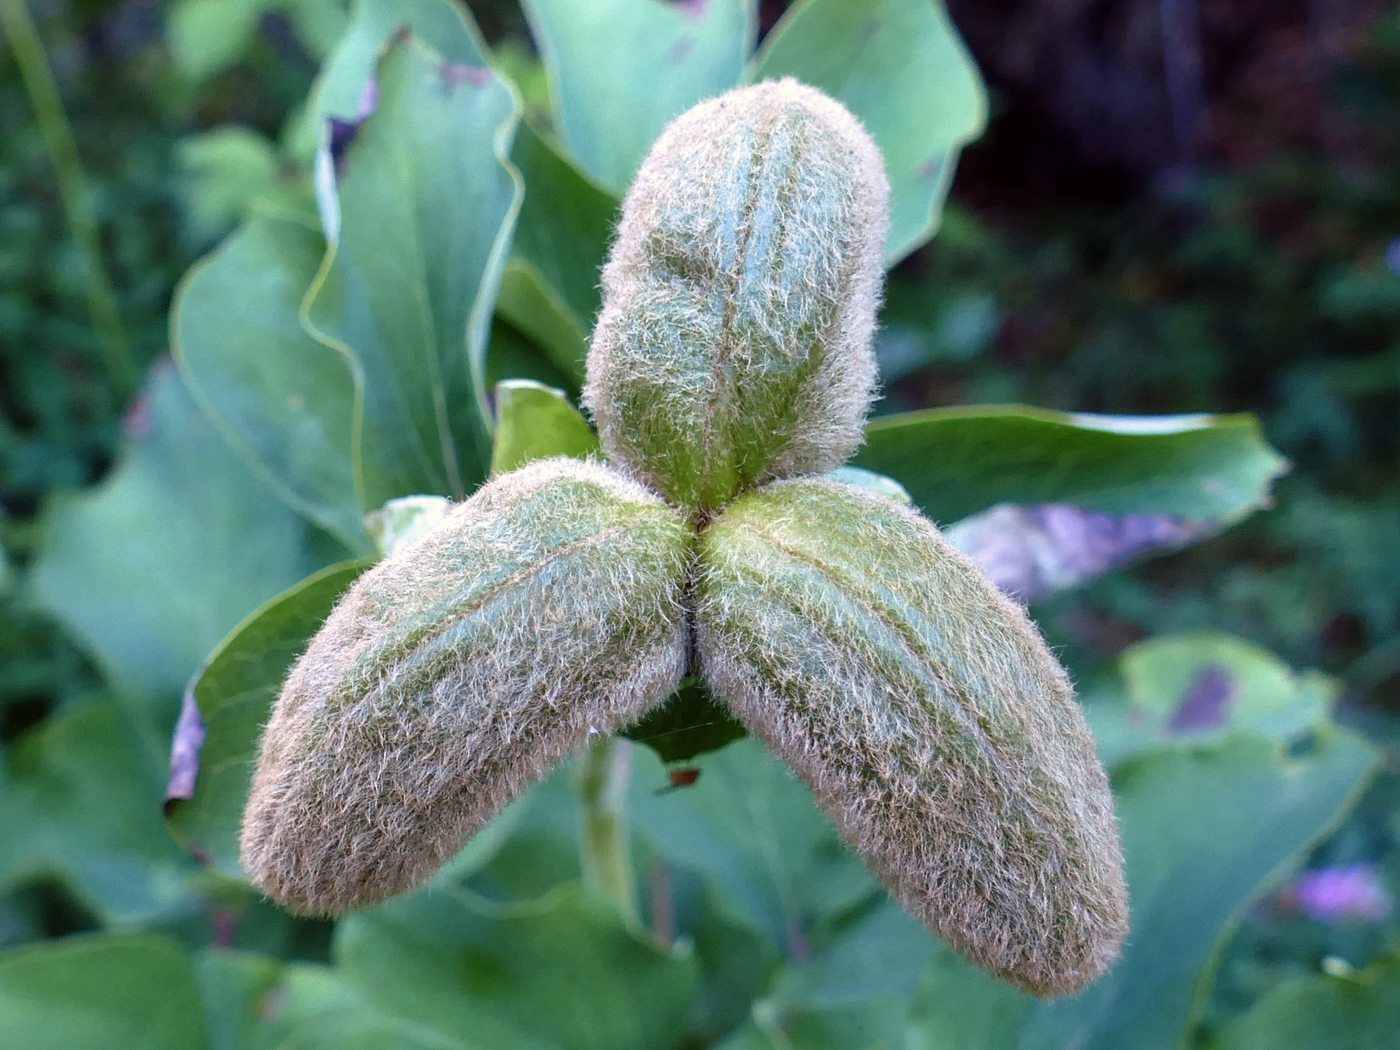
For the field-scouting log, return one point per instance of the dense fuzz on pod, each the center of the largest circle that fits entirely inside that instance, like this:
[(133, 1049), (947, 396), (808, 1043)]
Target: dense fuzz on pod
[(739, 301), (934, 725), (544, 609)]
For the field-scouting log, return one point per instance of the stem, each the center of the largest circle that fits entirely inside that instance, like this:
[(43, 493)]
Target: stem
[(602, 795), (72, 188)]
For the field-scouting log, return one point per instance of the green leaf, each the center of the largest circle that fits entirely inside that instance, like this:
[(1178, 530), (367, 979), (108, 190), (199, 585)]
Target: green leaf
[(286, 402), (535, 422), (550, 289), (446, 27), (209, 36), (237, 989), (256, 1002), (319, 24), (876, 1023), (427, 206), (621, 70), (1360, 1011), (81, 803), (736, 964), (514, 356), (1205, 829), (958, 461), (900, 67), (225, 171), (958, 1007), (880, 953), (532, 306), (311, 1008), (151, 568), (1203, 685), (852, 992), (752, 831), (406, 520), (361, 1029), (690, 723), (100, 992), (852, 989), (563, 971), (234, 692)]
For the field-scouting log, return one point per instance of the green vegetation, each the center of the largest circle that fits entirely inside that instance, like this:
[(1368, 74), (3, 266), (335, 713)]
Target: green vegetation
[(387, 293)]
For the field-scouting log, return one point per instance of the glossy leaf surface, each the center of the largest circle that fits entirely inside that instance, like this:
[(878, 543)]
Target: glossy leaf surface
[(958, 461)]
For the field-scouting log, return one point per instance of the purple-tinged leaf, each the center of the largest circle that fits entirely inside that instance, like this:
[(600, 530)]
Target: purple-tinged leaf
[(1199, 687), (1030, 551), (184, 751), (225, 708), (1346, 893), (1206, 705)]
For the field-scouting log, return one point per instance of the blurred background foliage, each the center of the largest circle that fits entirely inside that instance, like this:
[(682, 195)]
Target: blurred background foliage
[(1178, 206)]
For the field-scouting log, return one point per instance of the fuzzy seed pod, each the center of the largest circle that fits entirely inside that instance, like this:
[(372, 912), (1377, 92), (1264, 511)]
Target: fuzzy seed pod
[(451, 675), (734, 344), (936, 728)]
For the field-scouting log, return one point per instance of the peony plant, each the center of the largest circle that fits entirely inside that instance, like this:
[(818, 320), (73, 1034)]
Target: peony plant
[(730, 372)]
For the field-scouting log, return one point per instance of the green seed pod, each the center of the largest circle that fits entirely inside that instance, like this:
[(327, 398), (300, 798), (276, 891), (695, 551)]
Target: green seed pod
[(543, 610), (734, 344), (934, 725)]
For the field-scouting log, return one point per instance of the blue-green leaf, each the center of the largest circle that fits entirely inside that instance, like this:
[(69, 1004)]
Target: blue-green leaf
[(155, 565), (621, 70), (1205, 829), (81, 804), (562, 972), (958, 461), (446, 27), (550, 288), (284, 400), (230, 700), (750, 828), (427, 205), (102, 992), (1358, 1011), (1201, 686), (900, 67)]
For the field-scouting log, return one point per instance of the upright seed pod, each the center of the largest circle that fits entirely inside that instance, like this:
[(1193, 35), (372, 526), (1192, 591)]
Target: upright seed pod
[(739, 301), (936, 728), (543, 610)]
